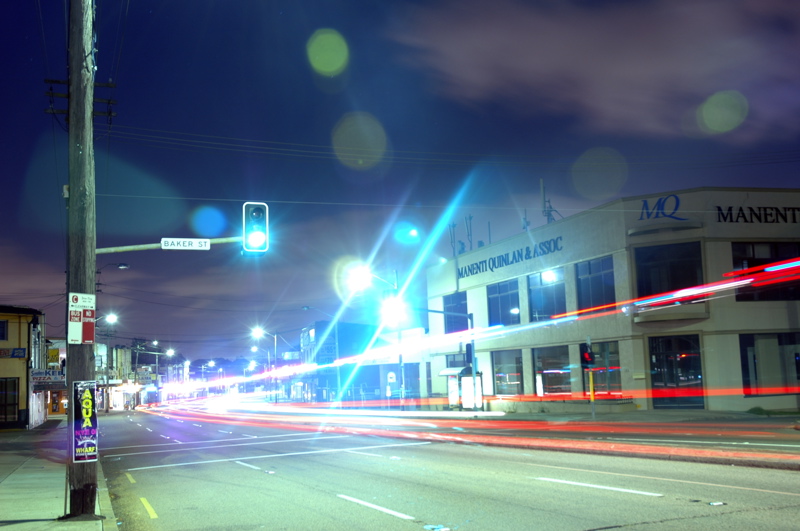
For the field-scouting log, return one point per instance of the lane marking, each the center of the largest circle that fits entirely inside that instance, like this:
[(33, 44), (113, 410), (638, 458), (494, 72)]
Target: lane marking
[(248, 465), (213, 447), (602, 487), (148, 508), (130, 477), (223, 431), (292, 454), (376, 507), (665, 479), (165, 436), (363, 453), (198, 425), (204, 441), (148, 429)]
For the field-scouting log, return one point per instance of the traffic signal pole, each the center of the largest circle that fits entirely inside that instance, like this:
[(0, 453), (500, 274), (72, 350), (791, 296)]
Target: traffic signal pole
[(81, 259)]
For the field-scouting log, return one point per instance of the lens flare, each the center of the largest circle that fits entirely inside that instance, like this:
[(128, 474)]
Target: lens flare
[(599, 173), (722, 112), (327, 52), (359, 141)]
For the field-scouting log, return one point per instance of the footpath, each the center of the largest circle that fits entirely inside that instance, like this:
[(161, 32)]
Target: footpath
[(33, 484), (33, 462)]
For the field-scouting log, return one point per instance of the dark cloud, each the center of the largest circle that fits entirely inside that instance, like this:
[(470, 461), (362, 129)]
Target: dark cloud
[(619, 67)]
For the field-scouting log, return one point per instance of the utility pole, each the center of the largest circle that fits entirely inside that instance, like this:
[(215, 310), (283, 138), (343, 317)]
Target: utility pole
[(82, 237)]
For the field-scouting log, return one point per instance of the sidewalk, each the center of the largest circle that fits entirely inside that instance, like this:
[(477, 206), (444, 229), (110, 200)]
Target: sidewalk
[(33, 481)]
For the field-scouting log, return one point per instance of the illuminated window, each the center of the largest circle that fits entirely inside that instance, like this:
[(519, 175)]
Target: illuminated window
[(595, 282), (455, 303), (552, 367), (546, 294), (746, 255), (770, 363), (607, 377), (507, 369), (503, 299), (662, 268)]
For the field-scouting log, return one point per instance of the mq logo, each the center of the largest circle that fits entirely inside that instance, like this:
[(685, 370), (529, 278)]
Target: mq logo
[(664, 207)]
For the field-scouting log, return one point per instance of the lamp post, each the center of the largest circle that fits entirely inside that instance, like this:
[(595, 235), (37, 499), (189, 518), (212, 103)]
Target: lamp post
[(257, 333), (359, 278)]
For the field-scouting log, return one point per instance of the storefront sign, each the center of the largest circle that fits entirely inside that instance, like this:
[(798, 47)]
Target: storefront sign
[(12, 353), (529, 252), (84, 423), (47, 375), (762, 214)]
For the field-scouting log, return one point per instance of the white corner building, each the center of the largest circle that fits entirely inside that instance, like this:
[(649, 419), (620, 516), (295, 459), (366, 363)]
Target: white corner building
[(596, 281)]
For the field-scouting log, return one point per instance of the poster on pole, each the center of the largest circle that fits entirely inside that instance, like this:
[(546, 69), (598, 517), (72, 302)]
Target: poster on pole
[(85, 432)]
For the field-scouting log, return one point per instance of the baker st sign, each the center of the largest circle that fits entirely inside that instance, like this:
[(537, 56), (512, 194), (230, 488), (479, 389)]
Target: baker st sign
[(185, 244), (84, 424)]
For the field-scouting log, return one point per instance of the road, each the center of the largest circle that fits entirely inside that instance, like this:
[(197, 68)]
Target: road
[(165, 472)]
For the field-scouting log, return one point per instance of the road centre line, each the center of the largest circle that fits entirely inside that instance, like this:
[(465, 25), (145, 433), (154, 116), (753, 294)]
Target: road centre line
[(292, 454), (376, 507), (719, 443), (363, 453), (248, 465), (663, 479), (602, 487), (185, 449)]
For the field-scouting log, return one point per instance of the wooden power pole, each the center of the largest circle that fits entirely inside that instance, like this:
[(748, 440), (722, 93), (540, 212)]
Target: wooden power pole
[(82, 238)]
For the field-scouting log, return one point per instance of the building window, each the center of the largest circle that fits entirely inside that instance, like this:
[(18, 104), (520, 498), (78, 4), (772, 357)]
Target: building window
[(3, 330), (607, 371), (503, 302), (456, 360), (746, 255), (9, 399), (507, 368), (663, 268), (552, 370), (595, 283), (455, 303), (546, 294), (770, 363)]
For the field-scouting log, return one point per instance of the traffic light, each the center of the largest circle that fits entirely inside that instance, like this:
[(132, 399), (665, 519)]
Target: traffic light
[(255, 227), (587, 358), (469, 354)]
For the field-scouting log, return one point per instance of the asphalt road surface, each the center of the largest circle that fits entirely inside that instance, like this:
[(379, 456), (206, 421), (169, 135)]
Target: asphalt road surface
[(171, 473)]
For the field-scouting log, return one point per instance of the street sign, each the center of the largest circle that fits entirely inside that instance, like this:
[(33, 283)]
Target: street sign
[(185, 244), (80, 328)]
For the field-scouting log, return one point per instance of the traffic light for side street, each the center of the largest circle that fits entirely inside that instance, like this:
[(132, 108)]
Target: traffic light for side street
[(587, 358), (255, 227)]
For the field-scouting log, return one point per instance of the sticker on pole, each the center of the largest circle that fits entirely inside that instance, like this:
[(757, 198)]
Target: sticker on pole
[(81, 313), (84, 424)]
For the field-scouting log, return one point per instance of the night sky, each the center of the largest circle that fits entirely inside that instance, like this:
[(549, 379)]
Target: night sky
[(356, 119)]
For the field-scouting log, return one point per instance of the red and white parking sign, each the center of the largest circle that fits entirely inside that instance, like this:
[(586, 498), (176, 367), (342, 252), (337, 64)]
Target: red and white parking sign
[(80, 329)]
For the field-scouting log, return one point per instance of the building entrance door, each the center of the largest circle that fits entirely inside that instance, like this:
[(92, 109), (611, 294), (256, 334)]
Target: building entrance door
[(676, 373)]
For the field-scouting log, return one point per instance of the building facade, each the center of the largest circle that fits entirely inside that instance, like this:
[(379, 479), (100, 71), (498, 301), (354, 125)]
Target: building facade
[(23, 349), (549, 299)]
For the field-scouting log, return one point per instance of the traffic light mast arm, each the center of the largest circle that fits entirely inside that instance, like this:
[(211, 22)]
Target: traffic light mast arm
[(150, 246)]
